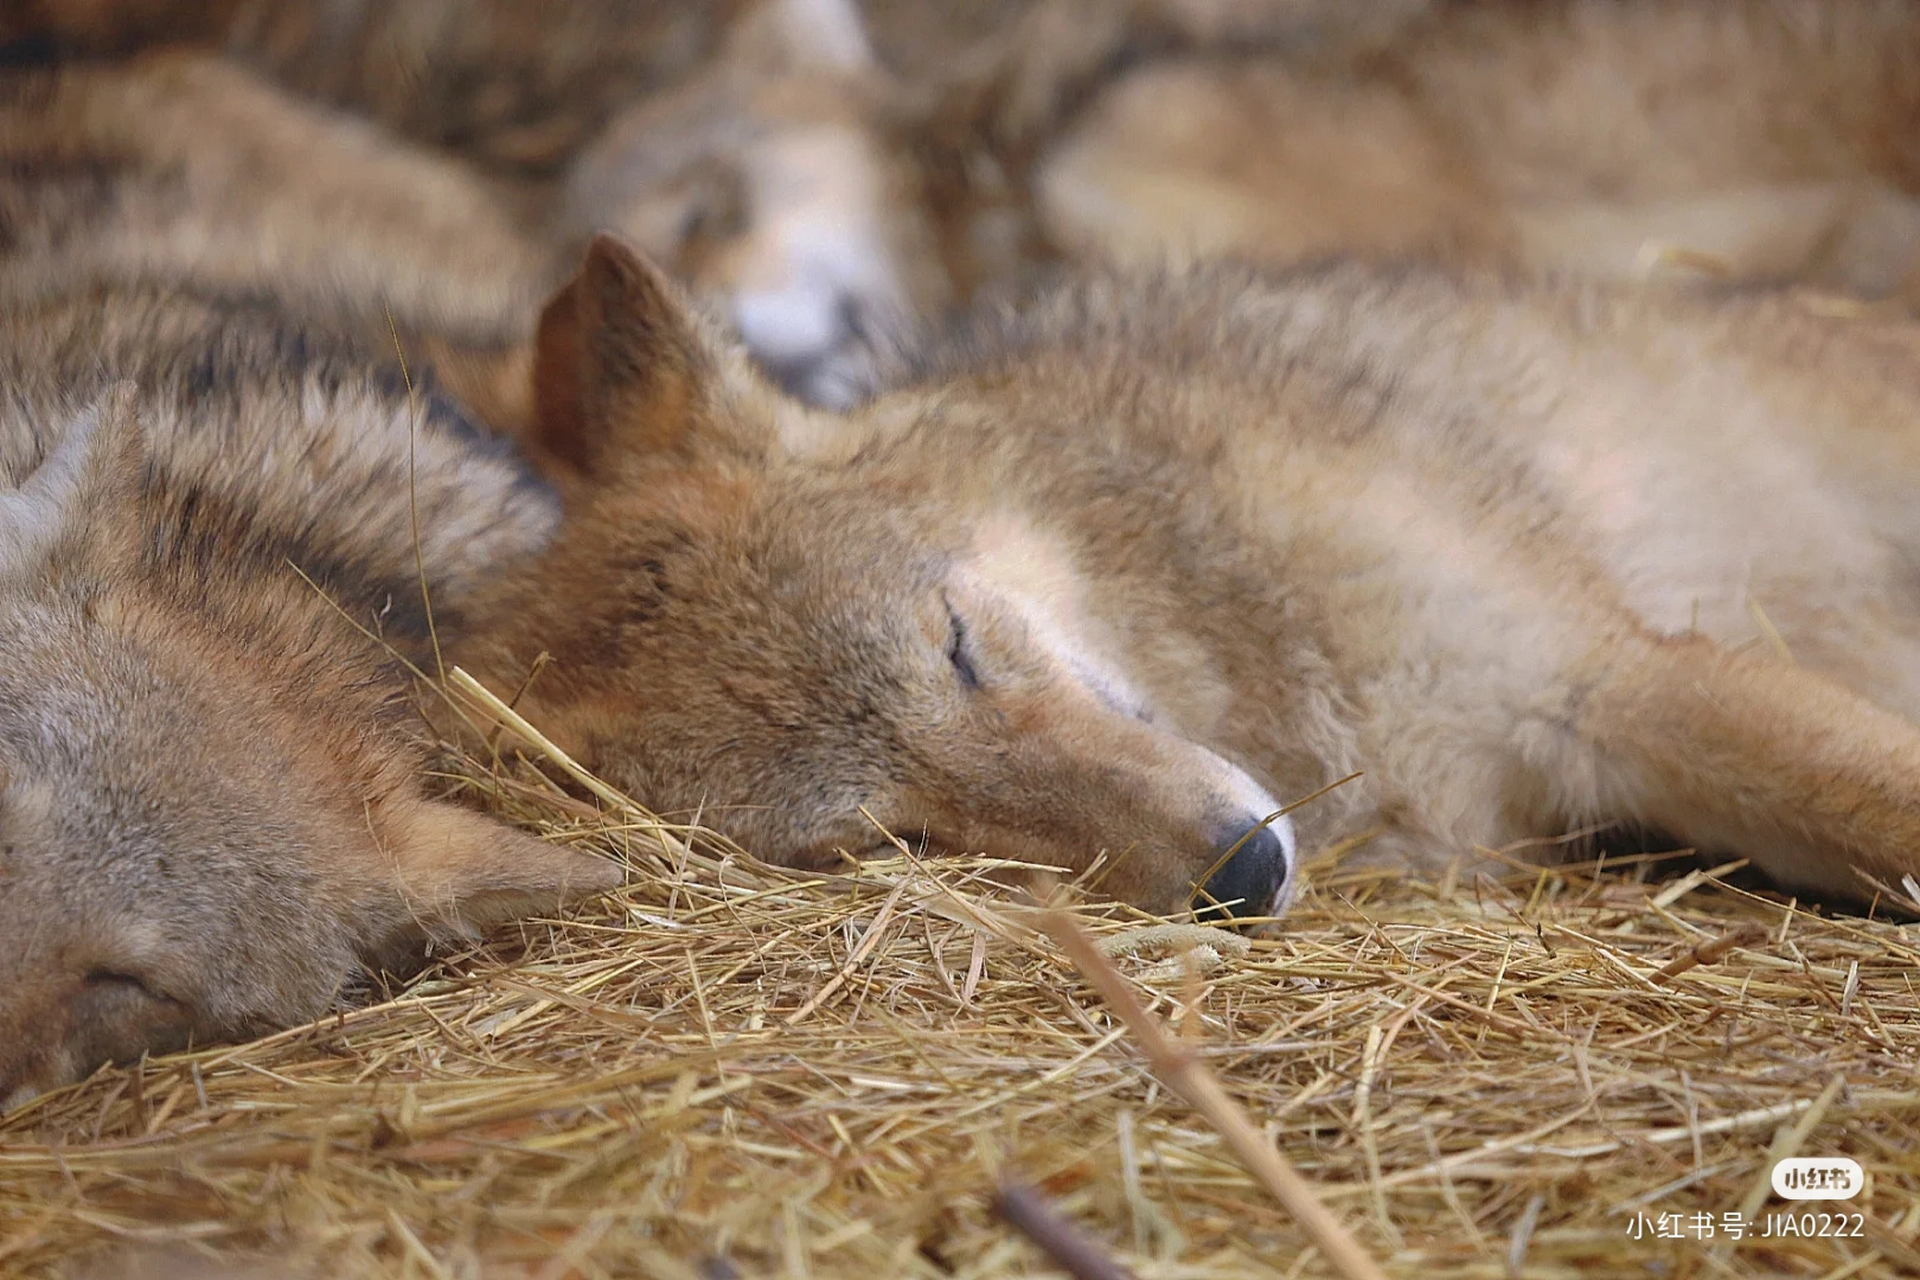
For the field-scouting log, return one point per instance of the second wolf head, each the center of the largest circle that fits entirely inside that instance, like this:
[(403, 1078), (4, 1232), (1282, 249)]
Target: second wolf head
[(212, 810)]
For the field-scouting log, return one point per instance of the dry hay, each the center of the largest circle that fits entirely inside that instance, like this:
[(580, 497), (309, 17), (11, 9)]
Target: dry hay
[(733, 1070)]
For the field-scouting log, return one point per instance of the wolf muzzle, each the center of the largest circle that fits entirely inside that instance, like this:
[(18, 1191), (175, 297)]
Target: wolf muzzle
[(1250, 880)]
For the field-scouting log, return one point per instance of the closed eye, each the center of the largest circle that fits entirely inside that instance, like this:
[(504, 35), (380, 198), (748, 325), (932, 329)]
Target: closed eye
[(957, 653), (109, 979)]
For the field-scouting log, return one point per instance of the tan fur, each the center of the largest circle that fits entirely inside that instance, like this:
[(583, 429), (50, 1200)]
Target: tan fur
[(182, 169), (1765, 141), (748, 145), (212, 812), (838, 171), (1755, 141), (826, 172), (1502, 549), (211, 809), (774, 184), (516, 86)]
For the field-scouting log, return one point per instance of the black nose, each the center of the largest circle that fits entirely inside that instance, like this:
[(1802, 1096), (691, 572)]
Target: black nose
[(1246, 883)]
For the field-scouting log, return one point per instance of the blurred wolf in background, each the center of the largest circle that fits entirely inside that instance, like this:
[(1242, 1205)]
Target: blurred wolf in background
[(841, 171), (180, 169), (828, 172), (1099, 582), (817, 169), (771, 190), (1762, 141), (222, 506)]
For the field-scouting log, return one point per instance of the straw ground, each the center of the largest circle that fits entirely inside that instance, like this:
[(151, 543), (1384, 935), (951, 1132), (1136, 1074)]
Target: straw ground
[(729, 1069)]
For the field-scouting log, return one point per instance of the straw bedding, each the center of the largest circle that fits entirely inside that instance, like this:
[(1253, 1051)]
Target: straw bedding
[(732, 1070)]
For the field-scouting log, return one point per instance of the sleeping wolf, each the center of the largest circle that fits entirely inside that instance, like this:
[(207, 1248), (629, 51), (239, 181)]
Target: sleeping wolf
[(771, 153), (1110, 577), (211, 804), (212, 812), (754, 164), (826, 188), (824, 170)]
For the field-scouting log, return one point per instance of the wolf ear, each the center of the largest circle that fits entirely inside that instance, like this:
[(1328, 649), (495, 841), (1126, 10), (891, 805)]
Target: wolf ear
[(94, 469), (460, 872), (619, 361)]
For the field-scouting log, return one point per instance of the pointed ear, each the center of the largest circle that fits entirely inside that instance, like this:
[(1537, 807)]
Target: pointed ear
[(460, 872), (94, 470), (619, 362)]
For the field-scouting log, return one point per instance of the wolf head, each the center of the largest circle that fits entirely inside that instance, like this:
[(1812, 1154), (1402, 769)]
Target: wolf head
[(211, 815), (781, 623), (777, 186)]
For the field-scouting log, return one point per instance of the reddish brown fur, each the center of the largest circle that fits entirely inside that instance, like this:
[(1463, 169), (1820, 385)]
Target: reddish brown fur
[(1501, 549), (666, 440)]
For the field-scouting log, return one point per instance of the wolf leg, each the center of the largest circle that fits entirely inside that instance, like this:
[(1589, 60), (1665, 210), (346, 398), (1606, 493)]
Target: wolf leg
[(1746, 753)]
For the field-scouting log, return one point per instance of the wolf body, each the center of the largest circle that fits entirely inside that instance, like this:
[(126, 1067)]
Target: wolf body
[(178, 168), (827, 173), (832, 189), (1103, 581), (838, 171), (743, 142), (1769, 141), (224, 505), (213, 816)]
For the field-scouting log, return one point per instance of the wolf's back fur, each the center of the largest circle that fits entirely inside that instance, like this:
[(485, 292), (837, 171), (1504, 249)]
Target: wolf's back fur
[(1398, 507), (179, 168), (1767, 141), (276, 442)]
